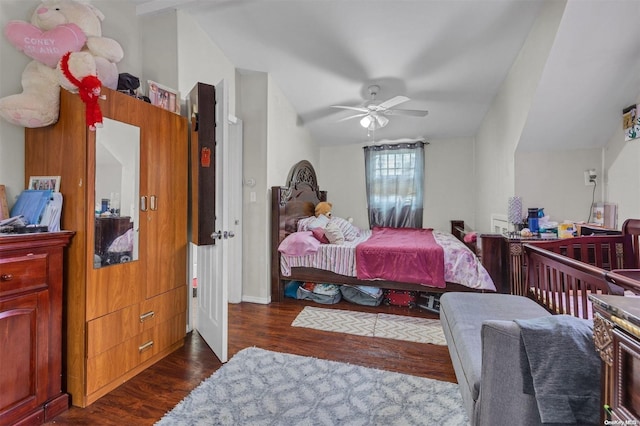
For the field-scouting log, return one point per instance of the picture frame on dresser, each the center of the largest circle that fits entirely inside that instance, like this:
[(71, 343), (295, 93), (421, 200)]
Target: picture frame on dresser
[(44, 182)]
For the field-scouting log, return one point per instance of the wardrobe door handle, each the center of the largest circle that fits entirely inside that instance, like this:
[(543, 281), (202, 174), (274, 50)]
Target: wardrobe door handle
[(143, 203), (6, 277), (153, 201)]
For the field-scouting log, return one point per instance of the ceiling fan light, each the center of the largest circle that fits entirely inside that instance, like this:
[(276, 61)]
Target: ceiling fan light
[(366, 121), (382, 121)]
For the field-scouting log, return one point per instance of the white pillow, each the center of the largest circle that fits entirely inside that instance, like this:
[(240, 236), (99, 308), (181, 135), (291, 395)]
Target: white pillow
[(349, 231), (303, 224), (333, 234), (320, 222)]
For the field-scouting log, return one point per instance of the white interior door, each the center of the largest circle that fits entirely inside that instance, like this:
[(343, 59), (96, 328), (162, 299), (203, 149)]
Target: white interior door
[(213, 260), (234, 203)]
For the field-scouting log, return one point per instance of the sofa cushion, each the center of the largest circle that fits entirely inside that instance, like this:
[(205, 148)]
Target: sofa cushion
[(464, 314)]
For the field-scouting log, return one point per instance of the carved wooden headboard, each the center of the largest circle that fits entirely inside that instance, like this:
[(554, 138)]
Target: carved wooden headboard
[(291, 203), (294, 201)]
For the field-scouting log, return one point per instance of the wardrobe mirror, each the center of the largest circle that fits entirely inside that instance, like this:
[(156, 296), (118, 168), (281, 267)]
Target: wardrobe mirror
[(116, 193)]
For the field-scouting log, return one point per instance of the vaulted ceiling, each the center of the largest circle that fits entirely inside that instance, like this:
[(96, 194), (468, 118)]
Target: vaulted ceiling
[(449, 57)]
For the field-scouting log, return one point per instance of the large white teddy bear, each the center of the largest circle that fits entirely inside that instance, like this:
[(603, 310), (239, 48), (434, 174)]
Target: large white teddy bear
[(57, 27)]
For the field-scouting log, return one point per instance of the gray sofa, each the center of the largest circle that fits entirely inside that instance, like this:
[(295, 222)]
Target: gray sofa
[(484, 344), (517, 364)]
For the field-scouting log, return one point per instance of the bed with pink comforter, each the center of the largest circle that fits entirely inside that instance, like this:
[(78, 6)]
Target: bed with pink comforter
[(296, 255), (422, 256)]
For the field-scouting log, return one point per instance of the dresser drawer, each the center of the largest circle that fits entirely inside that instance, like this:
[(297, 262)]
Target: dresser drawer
[(160, 308), (23, 273), (110, 365), (110, 330)]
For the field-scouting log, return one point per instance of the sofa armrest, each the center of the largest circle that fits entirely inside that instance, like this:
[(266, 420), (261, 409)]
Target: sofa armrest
[(501, 398)]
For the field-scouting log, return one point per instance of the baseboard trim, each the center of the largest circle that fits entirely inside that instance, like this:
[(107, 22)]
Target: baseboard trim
[(261, 300)]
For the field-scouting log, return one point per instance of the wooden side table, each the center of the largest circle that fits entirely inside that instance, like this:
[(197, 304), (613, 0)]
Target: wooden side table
[(616, 333)]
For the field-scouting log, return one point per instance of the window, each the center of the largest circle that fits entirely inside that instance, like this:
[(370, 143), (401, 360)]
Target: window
[(394, 181)]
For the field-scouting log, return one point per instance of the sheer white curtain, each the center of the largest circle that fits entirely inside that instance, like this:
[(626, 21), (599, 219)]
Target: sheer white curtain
[(395, 181)]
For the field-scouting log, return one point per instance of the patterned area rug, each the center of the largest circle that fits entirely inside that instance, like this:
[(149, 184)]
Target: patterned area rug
[(412, 329), (259, 387)]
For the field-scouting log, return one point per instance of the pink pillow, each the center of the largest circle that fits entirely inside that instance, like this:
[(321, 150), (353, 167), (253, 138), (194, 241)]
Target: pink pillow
[(299, 244), (471, 237), (320, 235), (45, 46)]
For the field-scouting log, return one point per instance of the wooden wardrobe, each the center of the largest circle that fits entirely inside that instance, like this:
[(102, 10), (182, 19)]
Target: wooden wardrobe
[(122, 318)]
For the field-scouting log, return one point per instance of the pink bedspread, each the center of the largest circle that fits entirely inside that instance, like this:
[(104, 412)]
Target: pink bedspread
[(401, 254)]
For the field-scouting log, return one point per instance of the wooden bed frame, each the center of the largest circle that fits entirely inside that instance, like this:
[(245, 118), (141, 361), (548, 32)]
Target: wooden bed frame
[(562, 273), (297, 200)]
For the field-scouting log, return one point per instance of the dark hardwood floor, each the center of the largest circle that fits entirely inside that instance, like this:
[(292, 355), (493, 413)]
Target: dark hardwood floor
[(144, 399)]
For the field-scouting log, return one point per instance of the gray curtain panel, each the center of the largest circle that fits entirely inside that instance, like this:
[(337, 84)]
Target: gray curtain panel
[(394, 182)]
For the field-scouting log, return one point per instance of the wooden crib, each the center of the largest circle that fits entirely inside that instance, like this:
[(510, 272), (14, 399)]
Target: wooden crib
[(562, 273)]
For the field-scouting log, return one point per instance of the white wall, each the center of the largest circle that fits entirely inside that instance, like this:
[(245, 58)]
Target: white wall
[(289, 141), (159, 44), (555, 181), (200, 60), (341, 173), (448, 170), (252, 108), (449, 190), (622, 175), (498, 137)]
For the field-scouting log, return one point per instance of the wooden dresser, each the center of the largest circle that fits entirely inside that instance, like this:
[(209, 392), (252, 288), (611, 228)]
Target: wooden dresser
[(616, 329), (124, 316), (31, 311)]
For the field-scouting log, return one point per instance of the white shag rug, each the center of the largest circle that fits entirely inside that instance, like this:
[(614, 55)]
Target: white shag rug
[(412, 329), (260, 387)]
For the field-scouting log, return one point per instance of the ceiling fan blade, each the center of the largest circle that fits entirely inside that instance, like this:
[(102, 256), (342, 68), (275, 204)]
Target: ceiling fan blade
[(360, 109), (390, 103), (412, 112), (352, 116)]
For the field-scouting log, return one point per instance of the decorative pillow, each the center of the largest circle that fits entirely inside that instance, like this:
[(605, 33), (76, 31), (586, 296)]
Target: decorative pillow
[(33, 41), (320, 236), (349, 231), (320, 222), (334, 234), (299, 244), (303, 224)]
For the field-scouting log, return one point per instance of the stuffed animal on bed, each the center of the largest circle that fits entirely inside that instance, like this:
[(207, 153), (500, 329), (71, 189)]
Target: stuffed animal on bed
[(56, 27), (323, 208), (330, 230), (323, 214)]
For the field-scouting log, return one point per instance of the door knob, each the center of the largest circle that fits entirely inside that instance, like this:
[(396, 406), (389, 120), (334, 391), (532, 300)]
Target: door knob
[(217, 235)]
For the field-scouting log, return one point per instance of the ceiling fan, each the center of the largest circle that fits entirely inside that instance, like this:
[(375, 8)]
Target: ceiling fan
[(374, 115)]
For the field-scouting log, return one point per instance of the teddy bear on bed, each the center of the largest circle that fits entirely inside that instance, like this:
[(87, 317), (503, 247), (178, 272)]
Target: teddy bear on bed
[(57, 27), (323, 208)]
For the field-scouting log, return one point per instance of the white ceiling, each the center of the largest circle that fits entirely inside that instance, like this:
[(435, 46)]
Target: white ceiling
[(448, 56)]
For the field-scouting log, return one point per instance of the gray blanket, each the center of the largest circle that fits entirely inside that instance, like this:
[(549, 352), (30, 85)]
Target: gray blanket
[(561, 368)]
